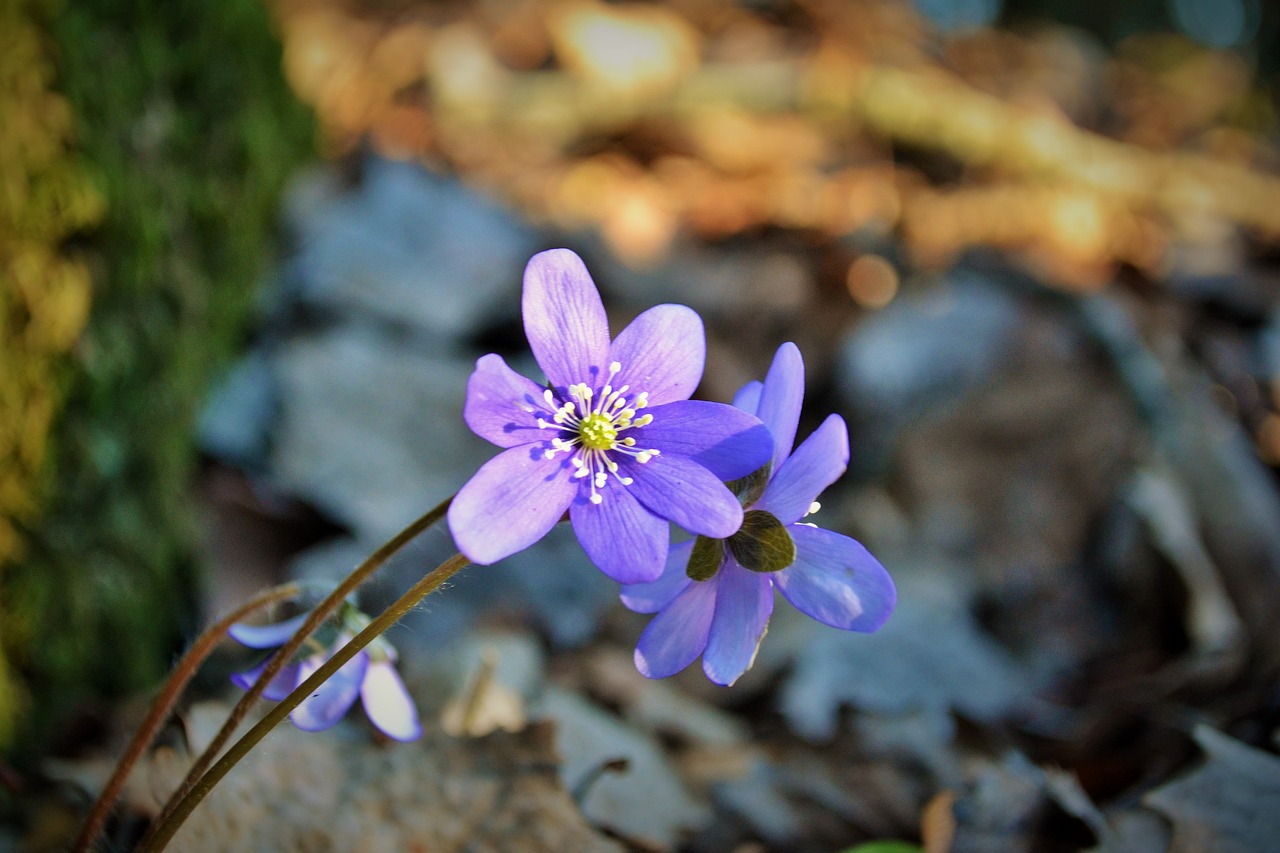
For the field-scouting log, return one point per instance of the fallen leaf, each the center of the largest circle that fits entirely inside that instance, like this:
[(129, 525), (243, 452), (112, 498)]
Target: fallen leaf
[(1228, 803)]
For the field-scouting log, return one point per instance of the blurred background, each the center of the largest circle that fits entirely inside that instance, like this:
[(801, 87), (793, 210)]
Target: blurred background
[(250, 251)]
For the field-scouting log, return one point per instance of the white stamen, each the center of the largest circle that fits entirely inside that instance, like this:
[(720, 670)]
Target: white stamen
[(590, 425), (813, 507)]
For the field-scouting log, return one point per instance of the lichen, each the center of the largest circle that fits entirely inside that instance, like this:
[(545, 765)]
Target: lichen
[(44, 294)]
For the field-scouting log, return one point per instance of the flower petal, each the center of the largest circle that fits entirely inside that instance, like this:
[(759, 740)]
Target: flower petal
[(678, 634), (388, 704), (748, 397), (817, 463), (662, 352), (564, 319), (726, 441), (781, 399), (836, 581), (266, 636), (626, 541), (502, 406), (682, 491), (655, 595), (330, 702), (510, 503), (744, 602), (281, 686)]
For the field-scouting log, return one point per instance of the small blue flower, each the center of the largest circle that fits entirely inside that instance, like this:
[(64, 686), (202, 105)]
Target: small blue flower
[(714, 599), (613, 439), (370, 676)]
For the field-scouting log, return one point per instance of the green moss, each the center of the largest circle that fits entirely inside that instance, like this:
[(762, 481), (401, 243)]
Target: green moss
[(183, 116)]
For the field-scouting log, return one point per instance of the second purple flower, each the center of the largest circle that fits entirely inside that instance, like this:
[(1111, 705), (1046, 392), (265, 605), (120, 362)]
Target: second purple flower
[(612, 439), (715, 597), (369, 676)]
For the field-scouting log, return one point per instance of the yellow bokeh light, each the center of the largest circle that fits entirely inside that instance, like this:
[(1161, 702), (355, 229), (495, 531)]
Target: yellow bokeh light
[(633, 49), (872, 281)]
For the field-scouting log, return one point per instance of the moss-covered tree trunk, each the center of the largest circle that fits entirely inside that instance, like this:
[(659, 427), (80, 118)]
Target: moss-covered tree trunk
[(188, 130)]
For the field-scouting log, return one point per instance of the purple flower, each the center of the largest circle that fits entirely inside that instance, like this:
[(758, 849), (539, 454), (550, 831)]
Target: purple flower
[(370, 675), (714, 598), (613, 439)]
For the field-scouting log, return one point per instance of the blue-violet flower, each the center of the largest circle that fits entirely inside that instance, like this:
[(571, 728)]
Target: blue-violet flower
[(370, 675), (714, 598), (613, 438)]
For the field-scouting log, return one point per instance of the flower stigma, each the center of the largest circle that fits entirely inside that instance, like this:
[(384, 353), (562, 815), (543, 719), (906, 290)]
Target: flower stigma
[(591, 428)]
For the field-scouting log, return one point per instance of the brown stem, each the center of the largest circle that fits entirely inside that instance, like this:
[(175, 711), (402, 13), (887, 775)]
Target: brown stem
[(164, 703), (286, 652), (162, 830)]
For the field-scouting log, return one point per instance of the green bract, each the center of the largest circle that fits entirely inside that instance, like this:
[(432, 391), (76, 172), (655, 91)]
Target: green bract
[(763, 544)]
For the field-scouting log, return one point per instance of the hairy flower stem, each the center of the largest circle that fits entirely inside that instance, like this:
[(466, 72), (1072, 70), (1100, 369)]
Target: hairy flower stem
[(163, 830), (286, 652), (163, 704)]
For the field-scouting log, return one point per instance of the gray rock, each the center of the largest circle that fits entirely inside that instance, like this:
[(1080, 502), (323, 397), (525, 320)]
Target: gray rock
[(937, 343), (235, 426), (407, 247), (369, 431), (565, 592), (923, 351), (647, 800), (929, 658)]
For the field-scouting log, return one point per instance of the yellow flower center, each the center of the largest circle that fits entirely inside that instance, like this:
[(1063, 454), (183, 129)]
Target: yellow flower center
[(598, 432), (591, 430)]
